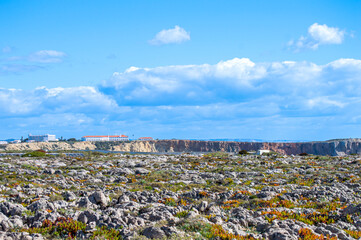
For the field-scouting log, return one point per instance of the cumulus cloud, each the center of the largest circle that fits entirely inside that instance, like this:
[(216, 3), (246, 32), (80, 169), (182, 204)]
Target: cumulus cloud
[(185, 84), (237, 90), (18, 102), (173, 35), (318, 35), (230, 97), (47, 56), (235, 80), (34, 61)]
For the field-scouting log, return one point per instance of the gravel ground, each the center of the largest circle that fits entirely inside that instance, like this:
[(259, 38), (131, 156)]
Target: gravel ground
[(213, 196)]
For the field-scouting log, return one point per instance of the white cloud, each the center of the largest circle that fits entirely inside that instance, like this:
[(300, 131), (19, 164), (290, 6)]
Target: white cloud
[(324, 102), (229, 97), (7, 49), (173, 35), (34, 61), (326, 35), (47, 56), (18, 68), (318, 35), (232, 80), (237, 90), (15, 102), (348, 63)]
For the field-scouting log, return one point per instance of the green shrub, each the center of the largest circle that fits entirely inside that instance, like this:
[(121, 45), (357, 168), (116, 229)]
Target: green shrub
[(203, 228), (106, 233), (217, 155), (61, 227), (228, 181), (243, 152), (182, 214), (37, 153)]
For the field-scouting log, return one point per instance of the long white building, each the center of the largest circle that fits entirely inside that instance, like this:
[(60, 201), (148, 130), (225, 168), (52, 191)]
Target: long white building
[(145, 138), (42, 138), (105, 138)]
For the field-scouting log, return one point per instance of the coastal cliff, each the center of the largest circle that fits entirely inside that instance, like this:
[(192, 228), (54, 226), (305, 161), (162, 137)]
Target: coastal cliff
[(332, 147)]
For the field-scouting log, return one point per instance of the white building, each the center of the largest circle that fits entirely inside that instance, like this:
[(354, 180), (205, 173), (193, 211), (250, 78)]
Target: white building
[(42, 138), (145, 138), (3, 142), (262, 151), (105, 138)]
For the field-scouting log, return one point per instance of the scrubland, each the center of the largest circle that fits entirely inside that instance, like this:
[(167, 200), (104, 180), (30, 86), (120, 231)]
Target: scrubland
[(212, 196)]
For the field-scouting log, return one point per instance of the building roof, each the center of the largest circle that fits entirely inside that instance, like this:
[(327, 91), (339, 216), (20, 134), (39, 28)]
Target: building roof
[(103, 136), (30, 135)]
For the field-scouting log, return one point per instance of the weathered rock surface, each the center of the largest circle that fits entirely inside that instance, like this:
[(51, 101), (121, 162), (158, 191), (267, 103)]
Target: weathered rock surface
[(212, 196), (332, 147)]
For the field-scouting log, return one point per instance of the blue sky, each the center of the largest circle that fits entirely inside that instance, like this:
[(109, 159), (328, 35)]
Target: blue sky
[(181, 69)]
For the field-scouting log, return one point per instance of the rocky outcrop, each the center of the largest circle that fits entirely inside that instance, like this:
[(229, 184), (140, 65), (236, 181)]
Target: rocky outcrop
[(143, 146), (332, 147), (50, 146), (187, 196)]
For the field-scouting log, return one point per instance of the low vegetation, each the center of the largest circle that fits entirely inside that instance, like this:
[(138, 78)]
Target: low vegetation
[(211, 196)]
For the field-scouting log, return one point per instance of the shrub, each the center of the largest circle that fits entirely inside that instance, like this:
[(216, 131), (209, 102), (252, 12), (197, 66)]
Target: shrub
[(354, 234), (169, 202), (30, 167), (230, 204), (228, 181), (63, 227), (210, 231), (106, 233), (203, 228), (56, 197), (217, 155), (310, 219), (218, 232), (307, 234), (37, 153), (203, 194), (182, 214), (243, 152)]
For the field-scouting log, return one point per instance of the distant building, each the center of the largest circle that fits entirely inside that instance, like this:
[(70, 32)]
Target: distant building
[(262, 151), (3, 142), (42, 138), (15, 141), (105, 138), (145, 138)]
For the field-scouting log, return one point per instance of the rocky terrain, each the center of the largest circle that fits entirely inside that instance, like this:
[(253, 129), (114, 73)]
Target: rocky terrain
[(212, 196), (332, 147)]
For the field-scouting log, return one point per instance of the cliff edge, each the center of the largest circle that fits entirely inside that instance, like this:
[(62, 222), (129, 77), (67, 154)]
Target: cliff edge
[(332, 147)]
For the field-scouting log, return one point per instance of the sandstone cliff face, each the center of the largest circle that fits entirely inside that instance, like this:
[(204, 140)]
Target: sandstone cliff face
[(143, 146), (50, 146), (333, 148)]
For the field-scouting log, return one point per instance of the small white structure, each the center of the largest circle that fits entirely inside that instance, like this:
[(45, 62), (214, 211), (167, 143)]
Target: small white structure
[(42, 138), (145, 138), (3, 142), (105, 138), (262, 151)]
